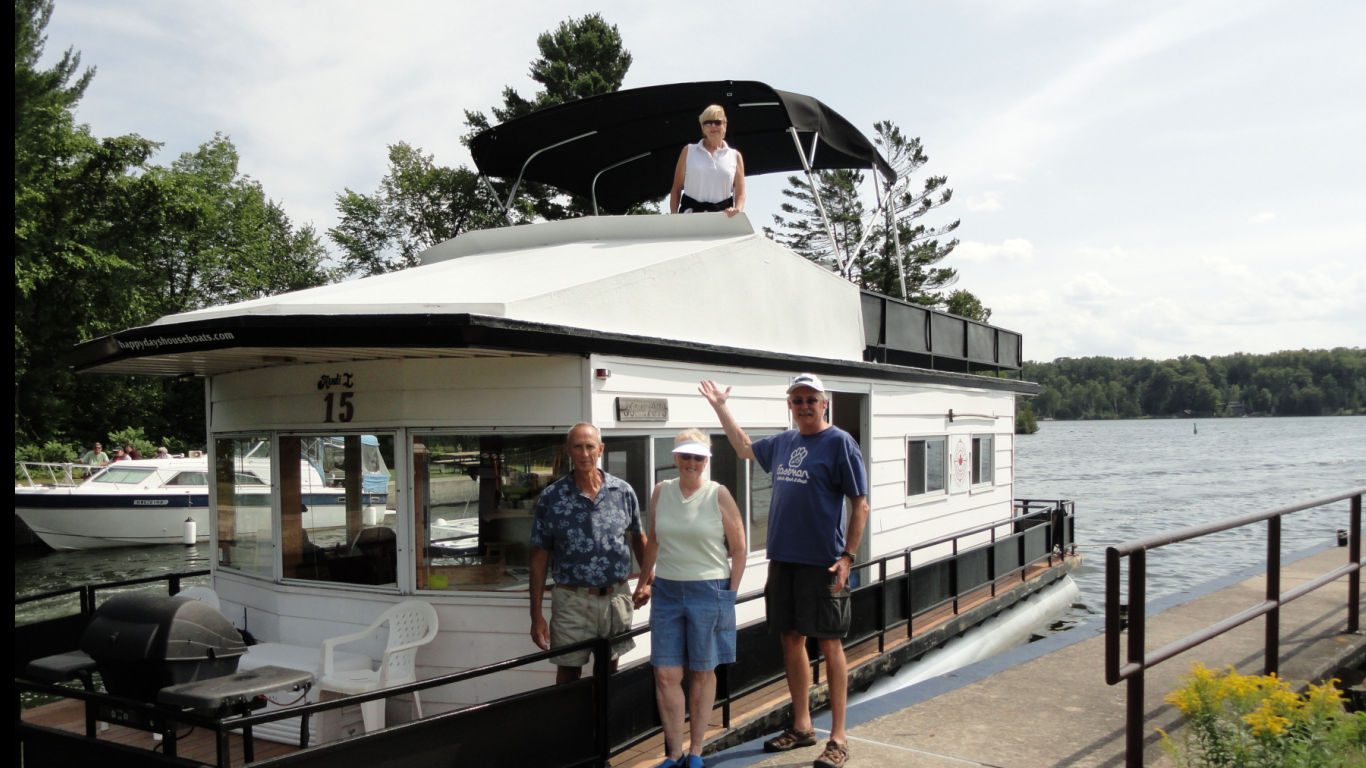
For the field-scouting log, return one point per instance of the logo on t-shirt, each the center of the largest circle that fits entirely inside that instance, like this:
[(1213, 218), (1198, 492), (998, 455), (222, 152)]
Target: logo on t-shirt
[(797, 457), (790, 473)]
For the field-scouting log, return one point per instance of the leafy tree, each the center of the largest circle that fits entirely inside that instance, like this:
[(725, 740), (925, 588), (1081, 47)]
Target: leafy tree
[(963, 303), (874, 265), (418, 204), (105, 240), (579, 58)]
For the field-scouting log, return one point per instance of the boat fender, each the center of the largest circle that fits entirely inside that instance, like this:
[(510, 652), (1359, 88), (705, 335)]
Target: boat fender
[(190, 534)]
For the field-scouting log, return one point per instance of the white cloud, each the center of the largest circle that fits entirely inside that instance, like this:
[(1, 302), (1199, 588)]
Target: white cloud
[(984, 202), (1262, 217), (1012, 250)]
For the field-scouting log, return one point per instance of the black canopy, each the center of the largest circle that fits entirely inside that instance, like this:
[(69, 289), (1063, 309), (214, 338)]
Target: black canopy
[(628, 141)]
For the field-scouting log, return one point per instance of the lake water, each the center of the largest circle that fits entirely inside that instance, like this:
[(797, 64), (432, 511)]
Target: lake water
[(1129, 479), (1132, 479)]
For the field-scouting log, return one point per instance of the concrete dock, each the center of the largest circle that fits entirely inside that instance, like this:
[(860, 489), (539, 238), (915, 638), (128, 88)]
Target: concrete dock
[(1047, 703)]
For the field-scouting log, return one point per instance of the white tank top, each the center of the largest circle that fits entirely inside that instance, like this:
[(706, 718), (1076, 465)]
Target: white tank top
[(692, 541), (710, 176)]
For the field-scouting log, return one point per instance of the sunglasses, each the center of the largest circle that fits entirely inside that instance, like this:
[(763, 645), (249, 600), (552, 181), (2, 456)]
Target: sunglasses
[(803, 400), (690, 457), (713, 122)]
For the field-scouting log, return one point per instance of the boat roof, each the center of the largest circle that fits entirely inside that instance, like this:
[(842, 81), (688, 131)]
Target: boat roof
[(703, 288), (620, 148)]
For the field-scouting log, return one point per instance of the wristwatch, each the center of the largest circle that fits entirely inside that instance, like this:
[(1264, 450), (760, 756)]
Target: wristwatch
[(849, 555)]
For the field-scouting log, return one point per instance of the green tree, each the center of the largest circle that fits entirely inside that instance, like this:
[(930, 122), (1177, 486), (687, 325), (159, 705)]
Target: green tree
[(579, 58), (418, 204), (864, 250)]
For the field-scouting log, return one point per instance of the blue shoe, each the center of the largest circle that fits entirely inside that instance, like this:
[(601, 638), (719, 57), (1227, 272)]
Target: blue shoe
[(668, 763), (691, 761)]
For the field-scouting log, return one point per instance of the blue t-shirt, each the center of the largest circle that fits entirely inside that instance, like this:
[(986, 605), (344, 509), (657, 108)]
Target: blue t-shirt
[(586, 538), (812, 476)]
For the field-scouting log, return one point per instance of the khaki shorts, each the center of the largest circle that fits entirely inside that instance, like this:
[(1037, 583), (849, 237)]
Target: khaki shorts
[(576, 616)]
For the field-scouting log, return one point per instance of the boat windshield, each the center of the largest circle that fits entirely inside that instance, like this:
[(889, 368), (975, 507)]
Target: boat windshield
[(127, 475)]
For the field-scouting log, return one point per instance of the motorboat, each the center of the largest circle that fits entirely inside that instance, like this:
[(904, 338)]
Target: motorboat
[(469, 370), (141, 502)]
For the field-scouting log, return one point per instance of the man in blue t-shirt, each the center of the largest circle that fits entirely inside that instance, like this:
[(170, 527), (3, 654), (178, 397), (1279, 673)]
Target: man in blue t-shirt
[(814, 467)]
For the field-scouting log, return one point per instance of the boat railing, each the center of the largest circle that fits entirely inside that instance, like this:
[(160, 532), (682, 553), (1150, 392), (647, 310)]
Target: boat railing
[(51, 474), (1137, 658), (604, 713)]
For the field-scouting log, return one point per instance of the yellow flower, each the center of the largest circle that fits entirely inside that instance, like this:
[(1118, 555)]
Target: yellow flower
[(1265, 722)]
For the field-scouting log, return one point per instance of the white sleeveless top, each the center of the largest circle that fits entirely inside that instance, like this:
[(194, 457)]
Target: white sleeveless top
[(710, 176), (692, 541)]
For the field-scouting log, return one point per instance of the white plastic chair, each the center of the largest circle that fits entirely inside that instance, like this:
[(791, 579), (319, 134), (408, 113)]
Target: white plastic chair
[(411, 625)]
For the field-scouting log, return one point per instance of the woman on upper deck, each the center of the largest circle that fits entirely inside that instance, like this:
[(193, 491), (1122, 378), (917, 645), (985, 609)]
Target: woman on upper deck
[(710, 175)]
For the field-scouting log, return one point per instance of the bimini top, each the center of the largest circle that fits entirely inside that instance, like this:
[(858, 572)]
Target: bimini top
[(620, 148)]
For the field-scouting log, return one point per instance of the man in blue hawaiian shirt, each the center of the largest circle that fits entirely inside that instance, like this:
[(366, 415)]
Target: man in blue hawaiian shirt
[(586, 527)]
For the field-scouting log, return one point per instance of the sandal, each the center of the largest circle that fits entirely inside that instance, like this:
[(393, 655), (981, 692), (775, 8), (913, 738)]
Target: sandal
[(834, 756), (790, 739)]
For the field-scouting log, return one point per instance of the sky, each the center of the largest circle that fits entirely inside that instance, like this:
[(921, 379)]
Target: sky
[(1149, 179)]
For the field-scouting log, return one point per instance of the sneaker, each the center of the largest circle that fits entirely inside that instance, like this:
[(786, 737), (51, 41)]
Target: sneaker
[(691, 761), (790, 739), (834, 756), (668, 763)]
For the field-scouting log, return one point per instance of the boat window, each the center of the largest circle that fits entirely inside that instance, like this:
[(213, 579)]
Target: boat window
[(245, 529), (983, 459), (192, 478), (926, 468), (122, 475), (337, 519), (760, 494), (475, 497)]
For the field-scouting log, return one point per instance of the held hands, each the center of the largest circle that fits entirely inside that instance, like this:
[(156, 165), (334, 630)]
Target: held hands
[(641, 595), (540, 633), (713, 393), (841, 571)]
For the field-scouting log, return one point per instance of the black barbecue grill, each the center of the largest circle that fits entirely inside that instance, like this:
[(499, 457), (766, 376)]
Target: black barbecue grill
[(143, 643)]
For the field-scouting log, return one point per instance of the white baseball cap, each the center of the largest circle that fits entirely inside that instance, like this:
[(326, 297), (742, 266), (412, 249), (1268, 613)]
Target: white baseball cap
[(806, 380)]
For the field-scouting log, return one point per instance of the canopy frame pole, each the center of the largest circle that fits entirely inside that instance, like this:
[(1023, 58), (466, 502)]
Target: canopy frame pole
[(896, 231), (507, 215), (811, 181), (520, 174), (593, 189), (868, 230)]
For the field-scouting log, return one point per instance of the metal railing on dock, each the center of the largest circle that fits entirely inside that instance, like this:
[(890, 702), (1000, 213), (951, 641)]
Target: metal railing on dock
[(1137, 658)]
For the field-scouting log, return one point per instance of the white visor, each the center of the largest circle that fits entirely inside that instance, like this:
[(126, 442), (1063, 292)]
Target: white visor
[(693, 447)]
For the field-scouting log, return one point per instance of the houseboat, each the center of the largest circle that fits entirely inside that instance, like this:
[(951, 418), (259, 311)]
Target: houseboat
[(468, 370)]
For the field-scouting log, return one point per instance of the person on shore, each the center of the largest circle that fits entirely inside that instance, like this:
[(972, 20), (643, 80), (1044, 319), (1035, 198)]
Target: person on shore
[(119, 455), (694, 526), (131, 451), (585, 529), (163, 453), (815, 467), (95, 457), (710, 175)]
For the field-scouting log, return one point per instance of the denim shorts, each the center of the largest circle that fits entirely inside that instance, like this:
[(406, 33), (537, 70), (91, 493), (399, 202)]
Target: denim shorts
[(692, 622)]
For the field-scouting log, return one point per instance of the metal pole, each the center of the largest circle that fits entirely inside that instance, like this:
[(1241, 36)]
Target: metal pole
[(1133, 706), (1354, 579), (820, 204), (896, 234), (1272, 662)]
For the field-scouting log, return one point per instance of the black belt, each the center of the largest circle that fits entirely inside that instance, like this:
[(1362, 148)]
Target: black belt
[(688, 205), (594, 591)]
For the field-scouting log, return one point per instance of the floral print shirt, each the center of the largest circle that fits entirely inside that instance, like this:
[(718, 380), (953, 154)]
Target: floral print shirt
[(587, 538)]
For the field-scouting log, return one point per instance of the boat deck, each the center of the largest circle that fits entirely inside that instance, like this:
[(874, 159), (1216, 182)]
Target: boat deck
[(750, 715)]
